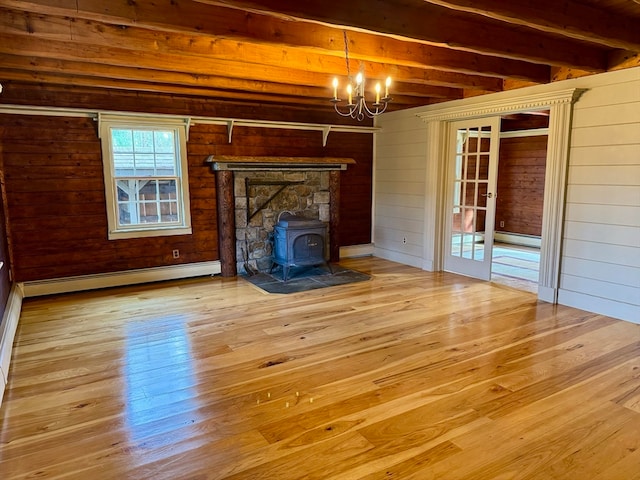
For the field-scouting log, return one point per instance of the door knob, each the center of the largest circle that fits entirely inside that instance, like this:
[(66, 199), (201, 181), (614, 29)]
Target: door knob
[(488, 195)]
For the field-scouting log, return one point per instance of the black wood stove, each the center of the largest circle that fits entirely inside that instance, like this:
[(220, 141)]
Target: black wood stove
[(298, 242)]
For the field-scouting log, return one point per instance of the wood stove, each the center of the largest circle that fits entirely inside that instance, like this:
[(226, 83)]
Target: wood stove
[(297, 242)]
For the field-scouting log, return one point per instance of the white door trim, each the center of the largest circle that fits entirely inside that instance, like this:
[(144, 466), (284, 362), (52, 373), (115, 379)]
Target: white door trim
[(560, 103)]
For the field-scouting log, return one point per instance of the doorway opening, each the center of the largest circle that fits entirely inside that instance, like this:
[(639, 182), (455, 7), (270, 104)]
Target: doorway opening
[(520, 200), (440, 119)]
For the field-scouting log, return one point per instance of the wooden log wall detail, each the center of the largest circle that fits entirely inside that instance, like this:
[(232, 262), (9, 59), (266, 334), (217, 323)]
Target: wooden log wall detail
[(226, 223), (55, 186), (57, 210)]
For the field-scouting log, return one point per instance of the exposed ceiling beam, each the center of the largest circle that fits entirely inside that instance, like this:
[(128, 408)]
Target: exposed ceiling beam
[(139, 86), (165, 78), (563, 17), (287, 52), (421, 21), (309, 37), (234, 59)]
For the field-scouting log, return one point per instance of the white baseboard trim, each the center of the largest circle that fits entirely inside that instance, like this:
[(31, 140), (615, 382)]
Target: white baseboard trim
[(547, 294), (352, 251), (427, 265), (602, 306), (8, 329), (398, 257), (517, 239), (119, 279)]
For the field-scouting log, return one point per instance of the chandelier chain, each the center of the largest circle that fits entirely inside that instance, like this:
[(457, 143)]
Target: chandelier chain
[(346, 53)]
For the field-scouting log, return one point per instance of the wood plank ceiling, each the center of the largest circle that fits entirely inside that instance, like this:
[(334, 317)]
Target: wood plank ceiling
[(287, 52)]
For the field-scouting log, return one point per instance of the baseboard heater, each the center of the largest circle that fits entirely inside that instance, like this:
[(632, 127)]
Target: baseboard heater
[(517, 239), (118, 279)]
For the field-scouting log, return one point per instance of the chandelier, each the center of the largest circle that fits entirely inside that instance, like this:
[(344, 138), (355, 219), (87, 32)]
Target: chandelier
[(357, 107)]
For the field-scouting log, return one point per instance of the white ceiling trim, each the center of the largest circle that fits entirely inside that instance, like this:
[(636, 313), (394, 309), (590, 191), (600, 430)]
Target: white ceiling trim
[(513, 103)]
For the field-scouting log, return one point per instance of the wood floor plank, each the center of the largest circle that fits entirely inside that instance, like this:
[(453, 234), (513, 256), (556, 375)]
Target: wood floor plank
[(411, 375)]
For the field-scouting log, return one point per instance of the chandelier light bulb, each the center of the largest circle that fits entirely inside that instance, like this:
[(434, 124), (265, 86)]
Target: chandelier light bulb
[(359, 84), (357, 107)]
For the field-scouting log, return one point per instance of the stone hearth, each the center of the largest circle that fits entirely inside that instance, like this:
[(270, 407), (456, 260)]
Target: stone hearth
[(253, 191), (307, 195)]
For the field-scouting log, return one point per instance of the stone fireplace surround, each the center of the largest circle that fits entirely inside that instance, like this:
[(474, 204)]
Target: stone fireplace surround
[(245, 186)]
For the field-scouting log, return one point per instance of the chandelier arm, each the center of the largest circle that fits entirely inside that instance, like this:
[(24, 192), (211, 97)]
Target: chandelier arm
[(358, 108), (342, 114)]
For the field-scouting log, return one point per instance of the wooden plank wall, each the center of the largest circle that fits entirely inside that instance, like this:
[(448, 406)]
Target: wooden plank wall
[(356, 187), (521, 171), (600, 268), (55, 188), (5, 281)]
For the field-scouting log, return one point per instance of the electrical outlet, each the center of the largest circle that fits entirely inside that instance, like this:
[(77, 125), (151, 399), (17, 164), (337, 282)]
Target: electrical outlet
[(404, 240), (501, 223), (176, 253)]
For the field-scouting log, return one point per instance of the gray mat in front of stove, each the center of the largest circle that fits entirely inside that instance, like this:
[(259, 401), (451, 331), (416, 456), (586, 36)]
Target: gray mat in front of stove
[(302, 279)]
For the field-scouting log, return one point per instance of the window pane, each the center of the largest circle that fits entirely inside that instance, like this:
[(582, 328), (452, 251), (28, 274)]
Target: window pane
[(147, 190), (121, 140), (145, 165), (124, 214), (148, 211), (143, 141), (125, 187), (123, 164), (165, 164), (164, 142), (146, 169), (144, 153), (168, 189), (169, 212)]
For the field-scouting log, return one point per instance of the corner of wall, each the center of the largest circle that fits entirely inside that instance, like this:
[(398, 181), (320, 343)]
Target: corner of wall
[(8, 329)]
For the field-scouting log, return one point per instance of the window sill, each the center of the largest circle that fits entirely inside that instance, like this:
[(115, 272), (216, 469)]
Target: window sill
[(156, 232)]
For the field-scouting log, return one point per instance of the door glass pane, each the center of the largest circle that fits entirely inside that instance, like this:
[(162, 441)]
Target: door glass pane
[(482, 194), (467, 246), (483, 167), (455, 244), (471, 168), (478, 247), (481, 216), (485, 139)]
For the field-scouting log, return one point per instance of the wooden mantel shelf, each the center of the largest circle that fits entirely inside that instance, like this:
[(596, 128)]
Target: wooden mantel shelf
[(228, 162)]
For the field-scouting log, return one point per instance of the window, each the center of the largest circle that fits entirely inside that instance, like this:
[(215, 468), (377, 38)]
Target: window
[(145, 173)]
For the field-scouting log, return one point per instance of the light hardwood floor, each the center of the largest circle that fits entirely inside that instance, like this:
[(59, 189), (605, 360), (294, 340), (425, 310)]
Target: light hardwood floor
[(410, 375)]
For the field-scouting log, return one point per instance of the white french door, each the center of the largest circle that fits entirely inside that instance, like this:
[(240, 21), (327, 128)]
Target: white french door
[(472, 173)]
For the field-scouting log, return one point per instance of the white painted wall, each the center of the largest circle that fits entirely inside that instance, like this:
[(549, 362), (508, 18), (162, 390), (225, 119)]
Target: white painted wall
[(399, 188), (600, 258), (600, 266)]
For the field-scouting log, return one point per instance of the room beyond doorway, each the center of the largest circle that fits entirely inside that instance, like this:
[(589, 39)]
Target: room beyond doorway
[(520, 197), (516, 266)]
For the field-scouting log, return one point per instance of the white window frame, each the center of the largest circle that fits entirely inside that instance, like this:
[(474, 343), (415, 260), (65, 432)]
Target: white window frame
[(179, 126)]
